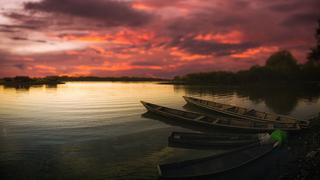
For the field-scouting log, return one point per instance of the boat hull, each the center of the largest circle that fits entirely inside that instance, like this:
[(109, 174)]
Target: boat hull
[(215, 164)]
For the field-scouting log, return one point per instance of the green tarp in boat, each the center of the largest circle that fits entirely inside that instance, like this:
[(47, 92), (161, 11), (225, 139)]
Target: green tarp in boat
[(279, 135)]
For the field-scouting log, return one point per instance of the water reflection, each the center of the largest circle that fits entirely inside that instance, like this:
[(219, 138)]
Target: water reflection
[(282, 100), (18, 88), (27, 87), (51, 86)]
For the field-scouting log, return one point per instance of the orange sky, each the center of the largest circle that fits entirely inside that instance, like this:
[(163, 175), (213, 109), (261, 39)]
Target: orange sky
[(154, 38)]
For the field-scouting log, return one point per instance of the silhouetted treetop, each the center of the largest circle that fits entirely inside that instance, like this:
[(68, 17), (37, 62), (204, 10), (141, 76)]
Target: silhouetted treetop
[(314, 55), (282, 61)]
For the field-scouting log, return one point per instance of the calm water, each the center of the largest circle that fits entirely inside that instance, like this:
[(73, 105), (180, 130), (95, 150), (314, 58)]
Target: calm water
[(95, 130)]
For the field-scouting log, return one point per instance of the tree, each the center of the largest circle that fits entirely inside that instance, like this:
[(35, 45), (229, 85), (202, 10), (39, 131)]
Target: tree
[(314, 55), (282, 62), (22, 79)]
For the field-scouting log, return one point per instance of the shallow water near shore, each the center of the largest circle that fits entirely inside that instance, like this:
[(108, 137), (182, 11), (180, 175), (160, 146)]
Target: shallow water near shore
[(96, 130)]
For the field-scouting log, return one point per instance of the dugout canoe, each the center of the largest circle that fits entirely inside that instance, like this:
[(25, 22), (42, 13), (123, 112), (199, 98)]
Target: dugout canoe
[(218, 122), (216, 164), (244, 113)]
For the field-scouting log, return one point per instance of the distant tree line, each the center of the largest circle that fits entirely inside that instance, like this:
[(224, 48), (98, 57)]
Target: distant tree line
[(280, 67), (94, 78), (22, 81), (27, 81)]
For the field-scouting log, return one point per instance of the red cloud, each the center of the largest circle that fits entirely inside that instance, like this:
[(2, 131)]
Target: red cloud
[(254, 52), (233, 37), (124, 36)]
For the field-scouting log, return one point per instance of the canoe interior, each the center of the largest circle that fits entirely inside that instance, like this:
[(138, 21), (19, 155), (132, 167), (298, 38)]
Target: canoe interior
[(200, 141), (205, 119), (214, 164), (213, 141), (217, 136), (200, 145), (230, 109), (185, 114)]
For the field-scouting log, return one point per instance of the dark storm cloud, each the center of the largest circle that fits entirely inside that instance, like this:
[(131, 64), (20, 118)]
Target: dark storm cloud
[(16, 38), (7, 26), (228, 21), (295, 5), (24, 21), (16, 16), (147, 63), (162, 3), (4, 30), (205, 22), (285, 7), (219, 49), (19, 39), (301, 19), (20, 66), (111, 12), (3, 56), (9, 61)]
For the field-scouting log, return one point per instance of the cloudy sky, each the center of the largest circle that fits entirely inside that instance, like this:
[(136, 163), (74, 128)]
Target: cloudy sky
[(156, 38)]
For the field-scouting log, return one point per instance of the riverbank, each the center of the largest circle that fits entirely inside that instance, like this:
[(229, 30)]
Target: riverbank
[(307, 163)]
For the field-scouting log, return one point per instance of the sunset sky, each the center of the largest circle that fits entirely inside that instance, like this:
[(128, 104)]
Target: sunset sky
[(154, 38)]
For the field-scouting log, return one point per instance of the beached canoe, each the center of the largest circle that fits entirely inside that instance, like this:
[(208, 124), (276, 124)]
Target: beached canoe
[(244, 113), (220, 122), (202, 140), (215, 164)]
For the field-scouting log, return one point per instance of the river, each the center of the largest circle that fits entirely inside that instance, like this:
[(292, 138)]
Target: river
[(97, 130)]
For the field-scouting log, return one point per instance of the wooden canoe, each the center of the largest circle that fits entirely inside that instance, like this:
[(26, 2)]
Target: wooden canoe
[(244, 113), (221, 122), (201, 140), (215, 164)]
